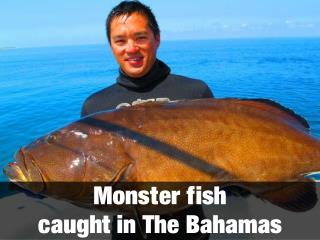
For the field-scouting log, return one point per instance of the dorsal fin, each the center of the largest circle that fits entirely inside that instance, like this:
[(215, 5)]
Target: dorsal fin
[(277, 108), (259, 103)]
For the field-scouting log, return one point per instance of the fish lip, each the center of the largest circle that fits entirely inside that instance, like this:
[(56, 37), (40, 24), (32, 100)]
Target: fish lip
[(14, 173), (21, 163), (19, 173)]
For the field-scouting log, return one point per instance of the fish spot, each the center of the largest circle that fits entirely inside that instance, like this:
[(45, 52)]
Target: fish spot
[(75, 163), (109, 143), (80, 134), (95, 131)]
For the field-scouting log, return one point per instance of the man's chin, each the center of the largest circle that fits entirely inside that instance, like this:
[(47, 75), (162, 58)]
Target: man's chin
[(135, 73)]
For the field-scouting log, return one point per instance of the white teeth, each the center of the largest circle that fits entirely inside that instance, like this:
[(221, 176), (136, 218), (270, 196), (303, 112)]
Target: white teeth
[(134, 59)]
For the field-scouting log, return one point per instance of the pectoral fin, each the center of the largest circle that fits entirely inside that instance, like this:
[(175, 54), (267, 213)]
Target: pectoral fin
[(293, 196)]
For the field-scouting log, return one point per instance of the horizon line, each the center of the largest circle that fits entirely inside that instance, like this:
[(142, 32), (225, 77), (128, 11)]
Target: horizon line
[(10, 48)]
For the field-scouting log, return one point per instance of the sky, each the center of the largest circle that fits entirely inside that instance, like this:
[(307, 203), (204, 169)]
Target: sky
[(37, 23)]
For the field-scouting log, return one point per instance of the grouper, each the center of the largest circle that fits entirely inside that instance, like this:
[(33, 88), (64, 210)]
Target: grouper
[(205, 140)]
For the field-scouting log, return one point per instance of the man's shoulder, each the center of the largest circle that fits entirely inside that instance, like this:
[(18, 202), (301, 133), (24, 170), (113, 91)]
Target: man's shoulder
[(196, 87), (175, 78), (98, 99), (105, 92)]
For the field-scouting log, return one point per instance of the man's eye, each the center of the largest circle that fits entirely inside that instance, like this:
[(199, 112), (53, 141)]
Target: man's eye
[(120, 41), (141, 38)]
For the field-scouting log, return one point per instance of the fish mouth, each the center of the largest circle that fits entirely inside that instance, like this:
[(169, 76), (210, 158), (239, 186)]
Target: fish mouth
[(15, 173), (24, 172)]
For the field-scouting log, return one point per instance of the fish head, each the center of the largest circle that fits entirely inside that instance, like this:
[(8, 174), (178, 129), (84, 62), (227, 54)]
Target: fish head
[(54, 157), (76, 153)]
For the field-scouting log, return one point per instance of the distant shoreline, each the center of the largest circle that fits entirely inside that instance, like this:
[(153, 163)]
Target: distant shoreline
[(105, 43), (7, 48)]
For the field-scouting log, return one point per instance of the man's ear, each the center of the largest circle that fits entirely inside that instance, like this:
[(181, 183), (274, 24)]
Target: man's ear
[(158, 40)]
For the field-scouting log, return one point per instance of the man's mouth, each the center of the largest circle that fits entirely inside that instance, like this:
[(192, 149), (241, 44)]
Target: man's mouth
[(135, 61)]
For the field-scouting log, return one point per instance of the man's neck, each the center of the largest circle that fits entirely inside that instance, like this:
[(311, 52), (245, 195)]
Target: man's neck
[(158, 72)]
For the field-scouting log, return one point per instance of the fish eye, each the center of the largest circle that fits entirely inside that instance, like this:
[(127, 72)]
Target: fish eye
[(51, 138)]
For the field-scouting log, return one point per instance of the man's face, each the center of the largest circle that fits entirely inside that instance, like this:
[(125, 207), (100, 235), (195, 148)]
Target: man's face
[(133, 44)]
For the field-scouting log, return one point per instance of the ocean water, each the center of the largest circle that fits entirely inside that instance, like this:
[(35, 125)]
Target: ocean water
[(43, 89)]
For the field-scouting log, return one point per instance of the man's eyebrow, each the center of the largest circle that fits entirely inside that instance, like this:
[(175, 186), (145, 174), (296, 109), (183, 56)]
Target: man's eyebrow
[(141, 33), (118, 37), (136, 34)]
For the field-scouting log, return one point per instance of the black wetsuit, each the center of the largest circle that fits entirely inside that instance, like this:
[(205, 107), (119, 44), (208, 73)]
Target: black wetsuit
[(158, 83)]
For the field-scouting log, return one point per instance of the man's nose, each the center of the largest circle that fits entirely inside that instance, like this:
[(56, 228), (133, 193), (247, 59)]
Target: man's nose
[(131, 47)]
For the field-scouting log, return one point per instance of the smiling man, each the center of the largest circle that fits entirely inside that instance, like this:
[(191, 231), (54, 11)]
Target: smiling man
[(133, 44), (134, 38)]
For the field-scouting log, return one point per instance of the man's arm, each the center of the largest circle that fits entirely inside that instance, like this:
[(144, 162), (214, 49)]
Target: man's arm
[(84, 111), (207, 93)]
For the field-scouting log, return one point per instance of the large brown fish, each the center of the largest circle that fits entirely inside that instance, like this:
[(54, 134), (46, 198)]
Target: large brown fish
[(207, 140)]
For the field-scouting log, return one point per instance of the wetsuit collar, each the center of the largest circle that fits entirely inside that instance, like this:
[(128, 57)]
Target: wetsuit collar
[(158, 72)]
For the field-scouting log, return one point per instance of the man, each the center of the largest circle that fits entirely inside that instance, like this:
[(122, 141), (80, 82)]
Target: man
[(134, 38)]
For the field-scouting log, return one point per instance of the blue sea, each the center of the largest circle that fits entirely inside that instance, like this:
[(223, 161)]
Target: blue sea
[(43, 88)]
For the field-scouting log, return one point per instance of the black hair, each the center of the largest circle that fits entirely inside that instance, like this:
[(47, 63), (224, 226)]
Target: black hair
[(129, 7)]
